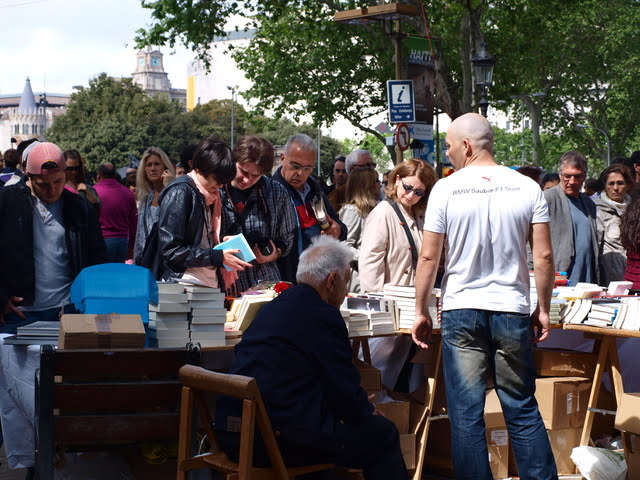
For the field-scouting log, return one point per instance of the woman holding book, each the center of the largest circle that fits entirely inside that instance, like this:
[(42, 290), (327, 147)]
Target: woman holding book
[(361, 198), (260, 209), (189, 220), (391, 242)]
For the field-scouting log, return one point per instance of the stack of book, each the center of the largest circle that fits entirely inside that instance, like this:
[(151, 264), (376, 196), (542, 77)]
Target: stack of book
[(247, 307), (358, 324), (557, 311), (404, 298), (168, 319), (628, 317), (208, 315), (381, 323), (603, 314), (37, 333)]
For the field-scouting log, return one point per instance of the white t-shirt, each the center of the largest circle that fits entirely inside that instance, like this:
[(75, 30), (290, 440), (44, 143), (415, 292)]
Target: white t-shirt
[(486, 213)]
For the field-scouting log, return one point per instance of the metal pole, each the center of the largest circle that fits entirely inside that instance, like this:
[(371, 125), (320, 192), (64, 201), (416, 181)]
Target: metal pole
[(522, 142), (319, 137), (438, 160), (398, 45), (232, 114)]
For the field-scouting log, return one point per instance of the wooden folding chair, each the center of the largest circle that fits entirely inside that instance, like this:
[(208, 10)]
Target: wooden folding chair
[(196, 382)]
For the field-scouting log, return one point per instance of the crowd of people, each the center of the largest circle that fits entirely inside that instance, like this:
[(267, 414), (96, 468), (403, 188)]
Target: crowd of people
[(477, 232)]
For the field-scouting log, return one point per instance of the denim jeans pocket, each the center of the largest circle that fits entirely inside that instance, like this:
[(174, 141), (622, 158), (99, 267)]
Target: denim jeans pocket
[(459, 327), (513, 333)]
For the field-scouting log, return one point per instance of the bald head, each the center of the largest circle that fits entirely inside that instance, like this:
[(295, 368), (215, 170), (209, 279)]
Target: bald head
[(475, 128), (469, 140)]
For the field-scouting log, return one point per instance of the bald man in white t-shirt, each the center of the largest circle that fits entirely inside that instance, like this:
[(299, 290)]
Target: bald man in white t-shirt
[(483, 215)]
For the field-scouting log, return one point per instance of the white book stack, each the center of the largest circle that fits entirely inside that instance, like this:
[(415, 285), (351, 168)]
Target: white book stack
[(381, 323), (359, 324), (404, 298), (628, 317), (168, 319), (208, 315)]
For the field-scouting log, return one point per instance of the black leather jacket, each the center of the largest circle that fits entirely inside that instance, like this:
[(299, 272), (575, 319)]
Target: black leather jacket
[(180, 226), (18, 270)]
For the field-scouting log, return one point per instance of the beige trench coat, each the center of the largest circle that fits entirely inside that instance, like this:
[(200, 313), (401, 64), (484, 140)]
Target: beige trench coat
[(385, 256)]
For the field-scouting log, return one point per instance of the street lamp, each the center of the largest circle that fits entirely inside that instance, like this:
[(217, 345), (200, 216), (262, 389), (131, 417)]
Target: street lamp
[(233, 91), (483, 63), (606, 135)]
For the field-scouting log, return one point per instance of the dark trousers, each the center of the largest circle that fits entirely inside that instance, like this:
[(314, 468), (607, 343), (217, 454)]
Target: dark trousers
[(372, 444)]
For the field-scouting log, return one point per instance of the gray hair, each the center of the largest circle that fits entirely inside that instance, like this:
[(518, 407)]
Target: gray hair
[(304, 142), (352, 158), (324, 256), (574, 159)]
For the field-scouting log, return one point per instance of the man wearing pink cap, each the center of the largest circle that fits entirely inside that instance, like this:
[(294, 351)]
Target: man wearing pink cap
[(48, 235)]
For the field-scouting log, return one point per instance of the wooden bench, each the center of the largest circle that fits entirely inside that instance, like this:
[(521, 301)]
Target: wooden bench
[(94, 399)]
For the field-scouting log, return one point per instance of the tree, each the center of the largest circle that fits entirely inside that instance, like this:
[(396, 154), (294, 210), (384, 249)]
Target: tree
[(112, 118)]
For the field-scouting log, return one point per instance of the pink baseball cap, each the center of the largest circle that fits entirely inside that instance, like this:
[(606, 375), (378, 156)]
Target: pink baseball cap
[(45, 158)]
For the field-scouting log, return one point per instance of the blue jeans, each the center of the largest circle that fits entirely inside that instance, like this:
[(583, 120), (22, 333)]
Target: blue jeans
[(474, 344), (117, 249), (12, 321)]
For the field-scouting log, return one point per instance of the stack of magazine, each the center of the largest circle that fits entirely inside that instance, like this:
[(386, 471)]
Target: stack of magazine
[(37, 333)]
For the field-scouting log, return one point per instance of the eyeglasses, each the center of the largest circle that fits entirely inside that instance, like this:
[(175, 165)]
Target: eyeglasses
[(72, 169), (364, 165), (297, 167), (577, 176), (417, 191)]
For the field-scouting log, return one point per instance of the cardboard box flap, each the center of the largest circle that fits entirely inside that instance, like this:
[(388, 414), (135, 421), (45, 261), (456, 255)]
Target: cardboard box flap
[(628, 414), (493, 416)]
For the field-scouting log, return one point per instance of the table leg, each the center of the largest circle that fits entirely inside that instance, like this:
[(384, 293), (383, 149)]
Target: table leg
[(422, 436), (595, 389), (366, 354)]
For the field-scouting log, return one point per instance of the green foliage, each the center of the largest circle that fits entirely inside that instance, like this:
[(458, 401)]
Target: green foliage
[(112, 118)]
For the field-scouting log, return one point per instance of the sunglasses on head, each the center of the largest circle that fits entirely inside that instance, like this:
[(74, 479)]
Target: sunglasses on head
[(417, 191)]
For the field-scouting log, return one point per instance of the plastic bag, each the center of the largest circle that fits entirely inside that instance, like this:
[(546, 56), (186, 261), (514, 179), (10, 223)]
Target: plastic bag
[(599, 463)]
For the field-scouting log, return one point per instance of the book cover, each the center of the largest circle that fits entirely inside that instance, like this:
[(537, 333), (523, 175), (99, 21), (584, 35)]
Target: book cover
[(237, 242)]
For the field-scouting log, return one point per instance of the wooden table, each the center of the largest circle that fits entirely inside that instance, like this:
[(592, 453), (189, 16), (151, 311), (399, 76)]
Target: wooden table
[(422, 428), (605, 346)]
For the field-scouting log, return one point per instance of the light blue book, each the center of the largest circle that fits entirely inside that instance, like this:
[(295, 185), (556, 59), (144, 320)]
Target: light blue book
[(237, 242)]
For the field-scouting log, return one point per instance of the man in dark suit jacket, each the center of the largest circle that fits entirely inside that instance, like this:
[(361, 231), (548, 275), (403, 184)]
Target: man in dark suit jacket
[(298, 350)]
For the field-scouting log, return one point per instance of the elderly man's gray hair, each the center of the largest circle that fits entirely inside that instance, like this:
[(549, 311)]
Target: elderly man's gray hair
[(352, 158), (573, 159), (304, 142), (324, 256)]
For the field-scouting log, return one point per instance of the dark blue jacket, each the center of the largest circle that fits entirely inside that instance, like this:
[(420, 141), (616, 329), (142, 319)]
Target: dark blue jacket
[(298, 350), (308, 226)]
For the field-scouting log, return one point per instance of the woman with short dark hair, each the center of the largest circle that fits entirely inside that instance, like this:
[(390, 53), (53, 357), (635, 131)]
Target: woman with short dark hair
[(189, 220)]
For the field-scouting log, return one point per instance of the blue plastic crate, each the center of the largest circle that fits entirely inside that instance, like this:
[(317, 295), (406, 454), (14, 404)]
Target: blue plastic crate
[(114, 288)]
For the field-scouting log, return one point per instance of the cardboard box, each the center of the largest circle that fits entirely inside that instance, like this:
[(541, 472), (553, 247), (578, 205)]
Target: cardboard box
[(398, 413), (408, 447), (562, 442), (555, 362), (633, 466), (497, 436), (101, 331), (370, 377), (563, 401), (628, 414)]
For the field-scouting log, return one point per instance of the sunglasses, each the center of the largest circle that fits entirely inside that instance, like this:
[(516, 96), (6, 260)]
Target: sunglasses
[(72, 169), (417, 191)]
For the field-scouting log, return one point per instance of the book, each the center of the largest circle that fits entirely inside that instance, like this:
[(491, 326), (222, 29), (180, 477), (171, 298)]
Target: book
[(170, 287), (209, 312), (208, 304), (237, 242), (15, 340), (208, 335), (169, 324), (206, 296), (165, 307), (217, 327), (208, 319), (198, 289), (168, 316), (249, 309), (172, 297), (399, 290), (182, 335), (41, 328)]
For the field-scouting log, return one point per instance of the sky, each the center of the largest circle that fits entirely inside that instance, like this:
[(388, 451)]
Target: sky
[(68, 42)]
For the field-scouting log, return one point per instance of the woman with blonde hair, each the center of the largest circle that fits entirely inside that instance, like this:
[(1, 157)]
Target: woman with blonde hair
[(154, 173), (361, 194), (391, 241)]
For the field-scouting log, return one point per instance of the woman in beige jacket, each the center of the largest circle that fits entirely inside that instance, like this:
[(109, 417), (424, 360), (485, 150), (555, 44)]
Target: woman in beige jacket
[(385, 252)]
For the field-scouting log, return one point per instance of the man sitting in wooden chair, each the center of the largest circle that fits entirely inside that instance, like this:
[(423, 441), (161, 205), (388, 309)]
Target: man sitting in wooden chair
[(297, 349)]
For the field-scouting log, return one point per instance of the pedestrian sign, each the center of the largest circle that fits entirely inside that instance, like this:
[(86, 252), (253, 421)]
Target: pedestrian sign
[(401, 103)]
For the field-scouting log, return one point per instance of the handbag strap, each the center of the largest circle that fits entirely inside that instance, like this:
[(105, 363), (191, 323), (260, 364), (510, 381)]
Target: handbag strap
[(412, 243)]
